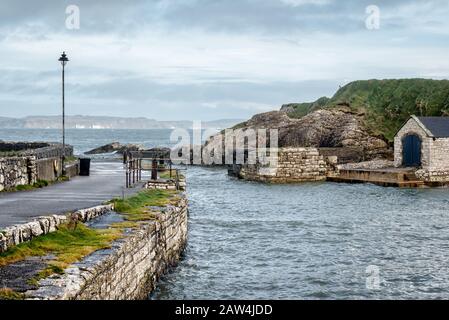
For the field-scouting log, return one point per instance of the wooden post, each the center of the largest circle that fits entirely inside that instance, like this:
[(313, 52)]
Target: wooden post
[(127, 173), (154, 170), (133, 165), (140, 169), (177, 179)]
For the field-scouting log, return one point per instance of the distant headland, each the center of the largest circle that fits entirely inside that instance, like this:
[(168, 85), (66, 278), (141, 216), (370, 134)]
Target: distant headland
[(106, 122)]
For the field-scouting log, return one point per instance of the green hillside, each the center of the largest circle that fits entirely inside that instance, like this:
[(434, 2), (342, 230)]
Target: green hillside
[(301, 109), (386, 104)]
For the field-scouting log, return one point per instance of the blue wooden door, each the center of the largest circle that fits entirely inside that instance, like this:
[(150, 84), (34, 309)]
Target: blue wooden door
[(411, 152)]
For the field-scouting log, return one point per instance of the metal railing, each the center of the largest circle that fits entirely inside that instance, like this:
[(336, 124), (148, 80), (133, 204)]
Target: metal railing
[(135, 167)]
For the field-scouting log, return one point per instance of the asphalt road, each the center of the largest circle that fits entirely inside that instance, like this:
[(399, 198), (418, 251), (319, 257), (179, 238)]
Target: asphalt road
[(105, 182)]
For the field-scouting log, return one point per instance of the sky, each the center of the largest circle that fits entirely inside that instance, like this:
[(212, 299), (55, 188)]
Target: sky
[(209, 59)]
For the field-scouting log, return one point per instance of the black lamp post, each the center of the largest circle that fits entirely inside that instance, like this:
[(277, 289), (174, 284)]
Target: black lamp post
[(63, 59)]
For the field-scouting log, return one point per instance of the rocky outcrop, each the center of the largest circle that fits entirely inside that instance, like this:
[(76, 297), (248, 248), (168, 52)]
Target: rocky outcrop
[(115, 147), (331, 128), (336, 128)]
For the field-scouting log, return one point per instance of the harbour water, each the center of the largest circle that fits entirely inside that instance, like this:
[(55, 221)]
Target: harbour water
[(304, 241)]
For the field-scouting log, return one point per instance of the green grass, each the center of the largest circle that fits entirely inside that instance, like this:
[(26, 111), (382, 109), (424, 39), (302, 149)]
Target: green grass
[(387, 104), (37, 185), (8, 294), (166, 174), (70, 159), (138, 205), (26, 187), (67, 245), (301, 109)]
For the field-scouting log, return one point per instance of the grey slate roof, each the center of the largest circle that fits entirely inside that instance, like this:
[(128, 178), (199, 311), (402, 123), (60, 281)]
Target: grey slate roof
[(439, 126)]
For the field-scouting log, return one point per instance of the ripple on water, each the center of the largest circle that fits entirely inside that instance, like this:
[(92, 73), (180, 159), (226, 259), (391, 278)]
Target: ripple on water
[(310, 241)]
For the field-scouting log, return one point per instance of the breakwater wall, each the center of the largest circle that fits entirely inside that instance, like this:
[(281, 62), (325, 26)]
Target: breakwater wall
[(291, 165), (128, 270)]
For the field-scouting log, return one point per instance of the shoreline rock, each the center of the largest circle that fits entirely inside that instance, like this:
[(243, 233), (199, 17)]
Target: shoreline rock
[(115, 147)]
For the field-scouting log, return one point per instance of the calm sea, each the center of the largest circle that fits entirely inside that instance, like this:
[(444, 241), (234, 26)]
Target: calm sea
[(309, 241)]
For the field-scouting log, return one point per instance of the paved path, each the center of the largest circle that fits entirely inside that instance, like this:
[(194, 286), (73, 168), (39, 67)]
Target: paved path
[(105, 182)]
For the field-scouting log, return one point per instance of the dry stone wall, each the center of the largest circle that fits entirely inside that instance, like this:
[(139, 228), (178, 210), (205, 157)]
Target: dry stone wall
[(15, 171)]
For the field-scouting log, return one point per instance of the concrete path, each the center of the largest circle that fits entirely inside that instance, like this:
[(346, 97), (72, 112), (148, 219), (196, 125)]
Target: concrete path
[(105, 182)]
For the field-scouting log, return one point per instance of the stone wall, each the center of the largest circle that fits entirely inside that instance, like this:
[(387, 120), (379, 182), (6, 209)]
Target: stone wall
[(438, 168), (49, 169), (18, 234), (439, 150), (42, 163), (72, 169), (21, 146), (166, 184), (130, 269), (15, 171), (40, 150), (292, 165)]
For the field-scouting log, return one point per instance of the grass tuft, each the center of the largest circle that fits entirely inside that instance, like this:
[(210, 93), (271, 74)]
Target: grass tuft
[(26, 187), (66, 244), (9, 294), (138, 204)]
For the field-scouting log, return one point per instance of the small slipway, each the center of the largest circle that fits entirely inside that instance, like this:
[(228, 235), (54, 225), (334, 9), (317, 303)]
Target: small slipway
[(388, 177)]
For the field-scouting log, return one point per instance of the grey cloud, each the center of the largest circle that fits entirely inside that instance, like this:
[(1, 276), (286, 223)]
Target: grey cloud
[(262, 16), (141, 89), (207, 101), (118, 93)]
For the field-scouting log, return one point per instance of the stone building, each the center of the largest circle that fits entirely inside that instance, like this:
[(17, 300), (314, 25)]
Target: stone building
[(423, 142)]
